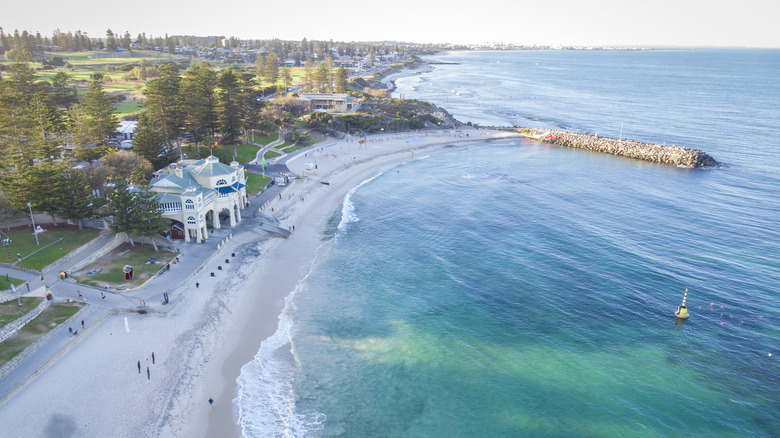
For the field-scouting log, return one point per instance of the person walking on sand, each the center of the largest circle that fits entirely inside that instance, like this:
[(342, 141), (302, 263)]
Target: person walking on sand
[(139, 367), (211, 401), (152, 357), (148, 374)]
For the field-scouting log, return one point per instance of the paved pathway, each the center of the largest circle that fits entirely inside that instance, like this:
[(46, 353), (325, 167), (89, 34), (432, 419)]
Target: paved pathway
[(193, 257)]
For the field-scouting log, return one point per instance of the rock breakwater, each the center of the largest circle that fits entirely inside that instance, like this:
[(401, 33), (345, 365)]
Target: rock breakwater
[(656, 153)]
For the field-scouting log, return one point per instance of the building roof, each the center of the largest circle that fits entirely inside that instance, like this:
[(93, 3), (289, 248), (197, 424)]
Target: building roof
[(126, 127), (210, 166), (326, 96), (179, 183)]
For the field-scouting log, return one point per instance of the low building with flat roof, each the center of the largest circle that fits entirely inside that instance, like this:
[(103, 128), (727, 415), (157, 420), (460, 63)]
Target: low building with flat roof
[(338, 102)]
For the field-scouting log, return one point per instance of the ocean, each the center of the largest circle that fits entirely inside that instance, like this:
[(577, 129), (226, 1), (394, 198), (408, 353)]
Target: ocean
[(519, 289)]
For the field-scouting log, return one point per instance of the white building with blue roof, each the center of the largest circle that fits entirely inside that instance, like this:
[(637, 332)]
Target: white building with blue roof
[(194, 193)]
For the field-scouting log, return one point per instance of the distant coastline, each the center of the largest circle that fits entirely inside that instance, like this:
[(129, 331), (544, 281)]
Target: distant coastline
[(656, 153)]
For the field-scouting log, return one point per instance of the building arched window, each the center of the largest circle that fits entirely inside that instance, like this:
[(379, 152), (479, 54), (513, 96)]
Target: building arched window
[(189, 205), (191, 220), (222, 182)]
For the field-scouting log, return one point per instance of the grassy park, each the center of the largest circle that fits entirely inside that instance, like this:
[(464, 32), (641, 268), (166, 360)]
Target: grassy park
[(255, 182), (246, 153), (6, 282), (10, 310), (127, 109), (108, 270), (263, 140), (53, 244), (51, 317)]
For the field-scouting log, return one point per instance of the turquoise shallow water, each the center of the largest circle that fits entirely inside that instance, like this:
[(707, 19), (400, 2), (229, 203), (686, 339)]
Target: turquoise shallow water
[(518, 289)]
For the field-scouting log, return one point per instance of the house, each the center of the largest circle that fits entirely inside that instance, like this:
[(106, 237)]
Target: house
[(352, 63), (329, 102), (193, 195), (125, 132)]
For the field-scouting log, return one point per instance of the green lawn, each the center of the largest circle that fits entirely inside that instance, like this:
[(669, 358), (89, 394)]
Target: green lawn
[(82, 75), (10, 310), (255, 182), (23, 243), (264, 140), (6, 285), (50, 318), (246, 152), (269, 155), (111, 266), (89, 59), (286, 147), (125, 87), (128, 108)]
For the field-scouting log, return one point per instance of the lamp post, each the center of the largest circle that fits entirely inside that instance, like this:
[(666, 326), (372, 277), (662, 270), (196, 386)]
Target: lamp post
[(33, 222)]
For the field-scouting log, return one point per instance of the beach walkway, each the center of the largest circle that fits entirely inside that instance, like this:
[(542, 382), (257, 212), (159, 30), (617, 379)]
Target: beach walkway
[(88, 384), (192, 259)]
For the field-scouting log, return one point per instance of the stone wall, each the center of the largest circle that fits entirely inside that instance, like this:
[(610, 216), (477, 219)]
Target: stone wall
[(27, 352), (12, 327), (656, 153), (119, 239)]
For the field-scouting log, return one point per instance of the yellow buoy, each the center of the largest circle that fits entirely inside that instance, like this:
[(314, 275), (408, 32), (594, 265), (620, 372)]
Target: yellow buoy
[(682, 311)]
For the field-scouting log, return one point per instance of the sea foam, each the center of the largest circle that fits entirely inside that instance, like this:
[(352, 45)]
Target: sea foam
[(348, 214), (265, 404)]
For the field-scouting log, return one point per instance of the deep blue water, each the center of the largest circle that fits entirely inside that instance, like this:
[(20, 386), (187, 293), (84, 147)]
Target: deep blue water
[(520, 289)]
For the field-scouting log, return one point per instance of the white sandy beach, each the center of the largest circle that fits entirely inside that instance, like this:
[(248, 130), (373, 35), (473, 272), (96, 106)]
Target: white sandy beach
[(95, 388)]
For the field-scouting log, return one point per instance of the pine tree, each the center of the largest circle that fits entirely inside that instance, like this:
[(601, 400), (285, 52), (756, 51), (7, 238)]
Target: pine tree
[(248, 105), (286, 78), (126, 41), (15, 181), (322, 77), (46, 188), (163, 101), (110, 41), (62, 94), (100, 118), (308, 75), (229, 117), (124, 209), (341, 80), (77, 195), (149, 142), (260, 68), (199, 97), (30, 125), (271, 68), (151, 222)]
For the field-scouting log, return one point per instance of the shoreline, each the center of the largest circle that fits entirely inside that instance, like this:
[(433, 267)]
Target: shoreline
[(639, 150), (343, 164), (99, 387), (219, 327)]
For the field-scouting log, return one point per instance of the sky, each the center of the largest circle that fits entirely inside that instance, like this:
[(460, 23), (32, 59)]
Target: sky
[(724, 23)]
